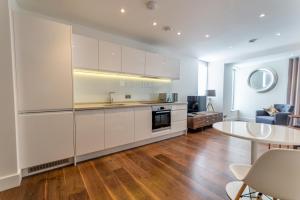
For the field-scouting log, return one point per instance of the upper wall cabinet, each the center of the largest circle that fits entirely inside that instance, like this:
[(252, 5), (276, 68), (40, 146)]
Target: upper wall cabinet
[(154, 64), (173, 68), (89, 53), (160, 66), (85, 52), (133, 61), (110, 57)]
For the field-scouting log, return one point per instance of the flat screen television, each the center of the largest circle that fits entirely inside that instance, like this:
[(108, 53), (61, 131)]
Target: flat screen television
[(196, 104)]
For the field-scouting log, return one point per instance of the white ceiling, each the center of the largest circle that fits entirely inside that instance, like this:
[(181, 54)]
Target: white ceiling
[(231, 23)]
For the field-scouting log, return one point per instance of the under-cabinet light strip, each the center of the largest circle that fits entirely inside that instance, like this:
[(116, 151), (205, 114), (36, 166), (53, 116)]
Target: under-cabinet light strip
[(117, 76)]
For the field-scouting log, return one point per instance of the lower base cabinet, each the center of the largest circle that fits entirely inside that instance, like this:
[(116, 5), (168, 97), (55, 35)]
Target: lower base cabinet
[(45, 137), (142, 123), (119, 127), (179, 118), (98, 130), (178, 126), (89, 131)]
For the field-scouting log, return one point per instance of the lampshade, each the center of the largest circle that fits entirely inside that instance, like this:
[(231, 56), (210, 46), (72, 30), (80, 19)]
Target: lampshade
[(211, 93)]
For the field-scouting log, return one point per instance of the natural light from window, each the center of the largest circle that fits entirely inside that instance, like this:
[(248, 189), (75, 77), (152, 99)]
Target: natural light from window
[(233, 88), (202, 78)]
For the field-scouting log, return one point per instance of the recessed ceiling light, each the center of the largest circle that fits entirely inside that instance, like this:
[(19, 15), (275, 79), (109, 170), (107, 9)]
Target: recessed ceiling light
[(178, 33), (262, 15), (278, 34), (154, 23), (122, 10), (207, 36), (230, 47)]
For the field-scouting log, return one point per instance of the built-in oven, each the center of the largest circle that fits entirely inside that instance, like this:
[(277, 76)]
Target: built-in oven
[(161, 118)]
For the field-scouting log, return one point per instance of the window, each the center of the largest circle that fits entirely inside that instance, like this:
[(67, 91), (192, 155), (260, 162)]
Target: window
[(202, 78), (233, 85)]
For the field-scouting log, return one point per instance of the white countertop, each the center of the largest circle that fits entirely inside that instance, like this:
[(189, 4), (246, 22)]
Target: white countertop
[(96, 106), (263, 133)]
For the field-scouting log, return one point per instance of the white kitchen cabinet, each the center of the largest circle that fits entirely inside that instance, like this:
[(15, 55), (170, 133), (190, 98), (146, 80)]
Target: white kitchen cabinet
[(110, 57), (161, 66), (45, 137), (43, 63), (154, 65), (142, 123), (119, 127), (179, 118), (172, 68), (179, 107), (178, 115), (89, 131), (85, 52), (133, 61), (179, 126)]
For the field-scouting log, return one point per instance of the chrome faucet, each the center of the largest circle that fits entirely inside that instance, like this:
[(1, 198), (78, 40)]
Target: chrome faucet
[(111, 99)]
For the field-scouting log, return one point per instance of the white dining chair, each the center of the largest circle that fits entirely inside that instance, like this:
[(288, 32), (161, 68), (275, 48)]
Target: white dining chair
[(276, 173)]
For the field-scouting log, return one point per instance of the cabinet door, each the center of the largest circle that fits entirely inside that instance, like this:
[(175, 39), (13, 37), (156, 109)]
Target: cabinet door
[(142, 123), (45, 137), (133, 61), (43, 63), (89, 131), (179, 115), (179, 107), (179, 126), (85, 52), (119, 127), (110, 57), (173, 68), (154, 65)]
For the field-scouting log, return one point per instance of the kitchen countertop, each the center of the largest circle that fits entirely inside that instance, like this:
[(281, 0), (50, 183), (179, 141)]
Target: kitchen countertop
[(97, 106)]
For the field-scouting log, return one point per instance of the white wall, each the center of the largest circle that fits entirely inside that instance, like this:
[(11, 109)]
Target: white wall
[(9, 176), (231, 114), (188, 83), (95, 90), (248, 101), (216, 82)]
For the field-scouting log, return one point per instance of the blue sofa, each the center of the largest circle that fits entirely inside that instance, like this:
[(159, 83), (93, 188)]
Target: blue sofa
[(280, 118)]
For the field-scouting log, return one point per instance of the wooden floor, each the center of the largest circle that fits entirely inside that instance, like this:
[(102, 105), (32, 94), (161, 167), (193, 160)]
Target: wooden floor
[(183, 168)]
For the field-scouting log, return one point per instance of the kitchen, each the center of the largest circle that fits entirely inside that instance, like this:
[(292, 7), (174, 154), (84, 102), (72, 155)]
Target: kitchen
[(80, 97), (95, 96)]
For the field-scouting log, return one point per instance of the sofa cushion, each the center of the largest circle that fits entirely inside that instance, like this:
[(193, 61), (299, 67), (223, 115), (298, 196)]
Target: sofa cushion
[(284, 107), (271, 111), (265, 119)]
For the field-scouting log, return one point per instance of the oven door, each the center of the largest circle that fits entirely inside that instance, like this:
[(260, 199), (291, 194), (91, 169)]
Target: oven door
[(161, 120)]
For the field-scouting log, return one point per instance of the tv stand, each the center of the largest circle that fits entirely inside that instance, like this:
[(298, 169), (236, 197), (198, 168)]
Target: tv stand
[(203, 119)]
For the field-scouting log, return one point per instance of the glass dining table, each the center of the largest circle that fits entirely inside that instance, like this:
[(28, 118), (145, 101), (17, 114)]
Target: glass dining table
[(256, 133), (259, 133)]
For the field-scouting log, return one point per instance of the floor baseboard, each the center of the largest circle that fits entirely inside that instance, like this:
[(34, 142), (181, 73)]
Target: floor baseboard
[(11, 181)]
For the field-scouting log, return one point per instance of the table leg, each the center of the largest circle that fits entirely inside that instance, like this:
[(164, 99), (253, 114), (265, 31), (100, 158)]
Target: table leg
[(291, 121), (253, 151)]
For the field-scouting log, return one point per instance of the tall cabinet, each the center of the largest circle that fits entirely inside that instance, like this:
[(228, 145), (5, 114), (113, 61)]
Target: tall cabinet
[(45, 89)]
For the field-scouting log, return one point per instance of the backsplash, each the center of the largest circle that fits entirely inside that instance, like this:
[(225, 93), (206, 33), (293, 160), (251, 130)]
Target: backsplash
[(96, 89)]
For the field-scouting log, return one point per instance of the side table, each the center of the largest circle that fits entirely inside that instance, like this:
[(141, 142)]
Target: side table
[(291, 119)]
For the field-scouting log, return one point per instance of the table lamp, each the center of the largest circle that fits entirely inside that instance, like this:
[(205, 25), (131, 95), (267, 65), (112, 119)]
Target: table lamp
[(209, 94)]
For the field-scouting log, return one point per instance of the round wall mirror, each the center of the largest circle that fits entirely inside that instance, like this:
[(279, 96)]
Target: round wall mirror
[(263, 79)]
